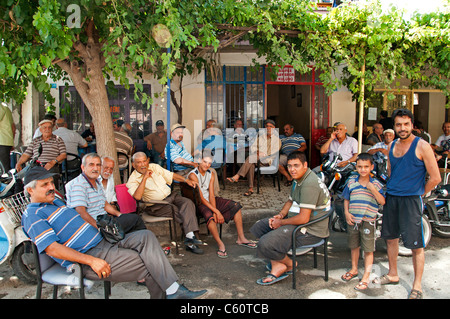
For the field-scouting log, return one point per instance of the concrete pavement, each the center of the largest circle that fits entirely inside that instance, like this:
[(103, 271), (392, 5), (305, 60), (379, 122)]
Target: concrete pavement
[(235, 277)]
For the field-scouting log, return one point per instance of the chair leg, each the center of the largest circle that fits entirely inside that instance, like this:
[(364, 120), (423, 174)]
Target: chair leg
[(55, 292), (107, 289), (325, 258), (294, 272), (39, 290), (315, 257)]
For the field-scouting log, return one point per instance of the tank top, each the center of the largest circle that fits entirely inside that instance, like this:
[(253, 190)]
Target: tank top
[(203, 182), (407, 172)]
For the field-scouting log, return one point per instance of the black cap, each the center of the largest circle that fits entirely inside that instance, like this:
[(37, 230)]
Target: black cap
[(159, 123), (37, 173)]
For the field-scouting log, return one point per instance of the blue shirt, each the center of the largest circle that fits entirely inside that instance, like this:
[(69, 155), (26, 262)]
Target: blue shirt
[(291, 143), (47, 223), (177, 151), (407, 172), (80, 192), (363, 204)]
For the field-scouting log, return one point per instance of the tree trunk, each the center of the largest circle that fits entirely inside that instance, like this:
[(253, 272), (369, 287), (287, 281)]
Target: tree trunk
[(90, 84)]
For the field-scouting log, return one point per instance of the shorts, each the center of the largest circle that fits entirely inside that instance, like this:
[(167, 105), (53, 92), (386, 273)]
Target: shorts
[(227, 208), (402, 216), (362, 235)]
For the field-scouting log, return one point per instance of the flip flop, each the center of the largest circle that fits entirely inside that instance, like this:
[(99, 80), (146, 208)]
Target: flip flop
[(415, 294), (274, 278), (250, 244), (269, 268), (348, 276), (222, 253), (362, 285), (384, 280), (248, 193), (231, 179)]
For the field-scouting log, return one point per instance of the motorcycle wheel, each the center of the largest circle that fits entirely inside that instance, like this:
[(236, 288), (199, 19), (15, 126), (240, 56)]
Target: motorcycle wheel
[(427, 231), (23, 263), (443, 218)]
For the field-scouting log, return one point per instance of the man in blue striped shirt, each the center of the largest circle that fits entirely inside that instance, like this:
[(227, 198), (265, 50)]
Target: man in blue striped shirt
[(290, 142), (61, 233)]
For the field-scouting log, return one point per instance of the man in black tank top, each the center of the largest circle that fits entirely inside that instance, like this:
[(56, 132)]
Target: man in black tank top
[(409, 161)]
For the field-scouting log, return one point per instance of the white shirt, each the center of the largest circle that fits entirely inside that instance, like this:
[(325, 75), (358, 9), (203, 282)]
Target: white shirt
[(110, 192)]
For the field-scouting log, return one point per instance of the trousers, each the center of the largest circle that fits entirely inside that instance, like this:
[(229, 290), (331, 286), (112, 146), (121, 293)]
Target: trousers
[(137, 256)]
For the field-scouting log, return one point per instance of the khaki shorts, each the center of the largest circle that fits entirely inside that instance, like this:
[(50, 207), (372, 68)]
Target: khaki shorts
[(362, 235)]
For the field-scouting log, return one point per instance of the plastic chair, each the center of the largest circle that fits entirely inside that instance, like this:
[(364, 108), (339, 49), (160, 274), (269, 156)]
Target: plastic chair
[(128, 204), (50, 272), (304, 249), (268, 170), (72, 168)]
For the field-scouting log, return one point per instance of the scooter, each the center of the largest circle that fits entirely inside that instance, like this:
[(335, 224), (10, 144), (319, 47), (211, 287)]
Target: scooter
[(15, 246)]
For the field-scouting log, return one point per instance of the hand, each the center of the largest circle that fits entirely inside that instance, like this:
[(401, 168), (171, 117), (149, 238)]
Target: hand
[(148, 174), (349, 219), (100, 267), (343, 163), (275, 223), (218, 218), (18, 167), (49, 165), (191, 183)]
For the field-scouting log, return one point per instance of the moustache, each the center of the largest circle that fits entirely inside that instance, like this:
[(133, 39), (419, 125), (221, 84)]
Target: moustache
[(50, 192)]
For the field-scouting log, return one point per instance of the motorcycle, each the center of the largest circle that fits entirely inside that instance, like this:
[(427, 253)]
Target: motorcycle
[(15, 246), (437, 209)]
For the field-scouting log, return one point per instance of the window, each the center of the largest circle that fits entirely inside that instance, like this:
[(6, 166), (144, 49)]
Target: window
[(235, 92), (122, 106)]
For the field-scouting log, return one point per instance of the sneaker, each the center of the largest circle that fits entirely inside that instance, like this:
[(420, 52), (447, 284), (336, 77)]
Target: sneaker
[(198, 241), (190, 245), (184, 293)]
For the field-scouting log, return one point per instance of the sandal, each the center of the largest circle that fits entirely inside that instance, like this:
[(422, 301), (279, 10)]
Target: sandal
[(231, 179), (362, 285), (250, 244), (385, 280), (248, 193), (273, 280), (415, 294), (348, 276), (222, 253)]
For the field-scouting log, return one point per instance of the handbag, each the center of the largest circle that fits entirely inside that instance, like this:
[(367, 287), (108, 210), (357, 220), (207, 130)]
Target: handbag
[(110, 228)]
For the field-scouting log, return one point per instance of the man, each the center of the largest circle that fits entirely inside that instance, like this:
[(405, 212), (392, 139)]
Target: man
[(217, 210), (182, 160), (107, 179), (85, 194), (156, 143), (263, 150), (290, 142), (7, 133), (420, 131), (124, 144), (377, 135), (150, 182), (309, 200), (71, 139), (89, 133), (442, 145), (51, 148), (50, 117), (379, 151), (340, 143), (62, 234), (410, 159)]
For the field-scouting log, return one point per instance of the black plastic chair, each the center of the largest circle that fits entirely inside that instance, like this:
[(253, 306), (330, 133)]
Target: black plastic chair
[(71, 168), (304, 249), (268, 170), (50, 272)]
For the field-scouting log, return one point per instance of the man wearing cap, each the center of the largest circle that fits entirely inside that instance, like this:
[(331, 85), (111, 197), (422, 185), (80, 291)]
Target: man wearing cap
[(182, 159), (264, 149), (380, 150), (49, 149), (156, 143), (61, 233), (340, 143)]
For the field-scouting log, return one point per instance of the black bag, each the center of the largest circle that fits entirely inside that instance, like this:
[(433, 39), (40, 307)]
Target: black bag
[(110, 228)]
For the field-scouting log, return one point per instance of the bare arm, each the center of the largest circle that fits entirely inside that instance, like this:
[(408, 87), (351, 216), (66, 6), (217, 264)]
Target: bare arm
[(85, 215), (431, 166)]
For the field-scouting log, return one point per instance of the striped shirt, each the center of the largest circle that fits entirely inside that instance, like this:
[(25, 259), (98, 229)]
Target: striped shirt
[(291, 143), (80, 192), (124, 144), (47, 223), (179, 151), (51, 149), (363, 205)]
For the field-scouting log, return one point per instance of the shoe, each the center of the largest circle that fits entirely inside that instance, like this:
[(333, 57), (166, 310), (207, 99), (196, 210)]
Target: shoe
[(198, 241), (190, 245), (184, 293)]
